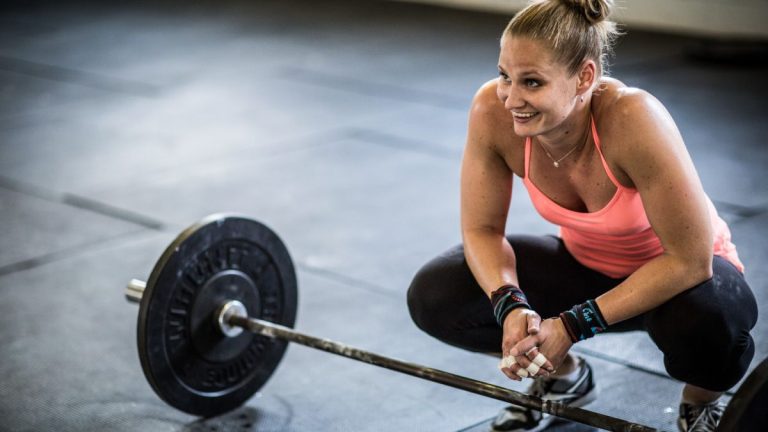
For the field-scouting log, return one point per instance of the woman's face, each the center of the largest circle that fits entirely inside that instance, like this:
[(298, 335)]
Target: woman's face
[(534, 88)]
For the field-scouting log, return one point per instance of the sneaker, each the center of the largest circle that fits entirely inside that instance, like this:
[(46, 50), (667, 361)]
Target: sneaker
[(700, 418), (576, 392)]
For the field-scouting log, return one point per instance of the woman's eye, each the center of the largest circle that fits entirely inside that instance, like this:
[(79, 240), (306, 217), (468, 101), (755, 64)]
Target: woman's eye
[(504, 76), (532, 83)]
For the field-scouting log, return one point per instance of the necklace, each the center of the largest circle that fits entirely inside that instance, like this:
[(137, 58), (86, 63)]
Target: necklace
[(556, 162)]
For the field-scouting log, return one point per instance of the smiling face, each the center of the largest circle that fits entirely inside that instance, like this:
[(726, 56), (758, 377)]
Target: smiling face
[(538, 91)]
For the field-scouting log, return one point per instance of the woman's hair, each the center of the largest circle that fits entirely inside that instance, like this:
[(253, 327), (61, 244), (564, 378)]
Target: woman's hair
[(574, 30)]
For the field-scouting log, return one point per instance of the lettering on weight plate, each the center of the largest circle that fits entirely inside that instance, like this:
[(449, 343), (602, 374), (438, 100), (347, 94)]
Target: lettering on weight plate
[(184, 294), (235, 256), (218, 259), (179, 311), (197, 274), (194, 276), (177, 323), (232, 373), (223, 256)]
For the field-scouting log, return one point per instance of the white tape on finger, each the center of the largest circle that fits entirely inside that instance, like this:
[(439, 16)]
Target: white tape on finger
[(539, 360), (522, 373), (507, 362), (533, 368)]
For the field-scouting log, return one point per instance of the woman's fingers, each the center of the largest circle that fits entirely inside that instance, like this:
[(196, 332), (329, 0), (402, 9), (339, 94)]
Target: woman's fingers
[(512, 369), (524, 346), (534, 324), (521, 330), (509, 367), (539, 360), (536, 363), (524, 366)]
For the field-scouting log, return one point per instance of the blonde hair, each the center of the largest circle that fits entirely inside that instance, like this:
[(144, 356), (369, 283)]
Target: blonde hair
[(574, 30)]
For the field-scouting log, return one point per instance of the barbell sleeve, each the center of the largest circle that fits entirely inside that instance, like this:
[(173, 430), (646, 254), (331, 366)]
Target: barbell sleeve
[(135, 290)]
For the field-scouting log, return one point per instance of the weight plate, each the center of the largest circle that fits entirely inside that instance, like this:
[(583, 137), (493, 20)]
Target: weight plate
[(188, 361), (748, 409)]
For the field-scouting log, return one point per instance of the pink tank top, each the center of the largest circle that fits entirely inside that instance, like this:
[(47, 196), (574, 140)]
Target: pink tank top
[(617, 239)]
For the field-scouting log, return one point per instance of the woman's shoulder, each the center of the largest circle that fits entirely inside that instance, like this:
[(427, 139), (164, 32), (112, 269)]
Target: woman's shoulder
[(632, 124), (488, 115), (485, 103), (491, 131), (618, 104)]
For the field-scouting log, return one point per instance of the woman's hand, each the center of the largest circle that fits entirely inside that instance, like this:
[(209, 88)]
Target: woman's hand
[(551, 339), (520, 325)]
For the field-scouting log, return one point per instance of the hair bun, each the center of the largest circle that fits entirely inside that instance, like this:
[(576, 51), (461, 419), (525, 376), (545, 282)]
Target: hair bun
[(594, 11)]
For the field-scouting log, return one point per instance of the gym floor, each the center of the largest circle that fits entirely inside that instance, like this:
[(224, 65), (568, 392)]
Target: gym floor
[(340, 124)]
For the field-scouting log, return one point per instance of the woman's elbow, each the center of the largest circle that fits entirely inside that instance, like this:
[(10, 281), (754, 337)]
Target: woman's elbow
[(699, 267)]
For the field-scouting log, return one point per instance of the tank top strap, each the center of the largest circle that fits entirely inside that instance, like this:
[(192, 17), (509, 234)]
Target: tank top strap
[(602, 158)]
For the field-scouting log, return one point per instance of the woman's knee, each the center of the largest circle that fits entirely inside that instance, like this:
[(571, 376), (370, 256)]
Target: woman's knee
[(711, 357), (440, 293), (419, 302), (705, 342)]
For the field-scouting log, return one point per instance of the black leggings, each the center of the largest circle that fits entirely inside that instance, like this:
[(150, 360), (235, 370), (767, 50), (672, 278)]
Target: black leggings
[(703, 332)]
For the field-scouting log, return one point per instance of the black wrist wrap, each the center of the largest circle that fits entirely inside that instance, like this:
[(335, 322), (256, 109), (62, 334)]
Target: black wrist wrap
[(505, 299), (583, 321)]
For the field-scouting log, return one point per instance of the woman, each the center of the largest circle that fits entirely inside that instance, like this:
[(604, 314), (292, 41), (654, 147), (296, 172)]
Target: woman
[(641, 246)]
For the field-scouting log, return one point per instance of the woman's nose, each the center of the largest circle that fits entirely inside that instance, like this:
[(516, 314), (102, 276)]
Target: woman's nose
[(511, 99)]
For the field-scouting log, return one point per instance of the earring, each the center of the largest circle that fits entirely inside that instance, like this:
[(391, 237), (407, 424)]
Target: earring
[(581, 98)]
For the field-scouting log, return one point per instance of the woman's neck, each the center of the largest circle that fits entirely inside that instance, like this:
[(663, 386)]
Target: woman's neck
[(573, 132)]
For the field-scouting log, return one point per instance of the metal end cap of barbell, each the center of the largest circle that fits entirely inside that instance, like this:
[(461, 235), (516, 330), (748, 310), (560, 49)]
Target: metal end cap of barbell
[(226, 311)]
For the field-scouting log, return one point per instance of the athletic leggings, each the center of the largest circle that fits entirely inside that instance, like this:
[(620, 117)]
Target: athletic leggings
[(703, 332)]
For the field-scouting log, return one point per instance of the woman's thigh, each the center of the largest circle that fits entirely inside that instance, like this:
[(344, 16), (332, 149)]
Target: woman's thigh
[(445, 300)]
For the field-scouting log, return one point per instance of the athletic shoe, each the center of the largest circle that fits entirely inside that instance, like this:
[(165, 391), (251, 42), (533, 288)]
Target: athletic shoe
[(700, 418), (576, 392)]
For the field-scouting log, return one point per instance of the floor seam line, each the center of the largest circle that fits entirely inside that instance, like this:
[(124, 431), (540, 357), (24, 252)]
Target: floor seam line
[(73, 76), (62, 254), (83, 203)]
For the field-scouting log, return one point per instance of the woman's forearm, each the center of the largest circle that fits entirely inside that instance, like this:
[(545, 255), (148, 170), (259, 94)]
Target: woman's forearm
[(490, 257), (651, 285)]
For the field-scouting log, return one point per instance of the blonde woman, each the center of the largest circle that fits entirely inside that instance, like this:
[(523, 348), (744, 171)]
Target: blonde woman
[(640, 247)]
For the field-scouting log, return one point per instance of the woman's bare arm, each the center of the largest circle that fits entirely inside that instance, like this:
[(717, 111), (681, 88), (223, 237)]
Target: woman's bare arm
[(486, 190), (650, 152)]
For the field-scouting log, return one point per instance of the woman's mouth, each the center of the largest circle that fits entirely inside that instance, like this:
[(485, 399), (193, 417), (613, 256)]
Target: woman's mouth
[(523, 116)]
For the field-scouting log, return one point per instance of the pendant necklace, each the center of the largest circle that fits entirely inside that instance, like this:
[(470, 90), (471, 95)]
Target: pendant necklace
[(556, 162)]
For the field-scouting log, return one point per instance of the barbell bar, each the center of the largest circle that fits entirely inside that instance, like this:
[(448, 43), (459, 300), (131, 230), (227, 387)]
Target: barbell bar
[(216, 314), (233, 315)]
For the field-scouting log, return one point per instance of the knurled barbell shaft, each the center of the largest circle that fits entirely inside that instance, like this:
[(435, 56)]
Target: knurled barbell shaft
[(136, 287)]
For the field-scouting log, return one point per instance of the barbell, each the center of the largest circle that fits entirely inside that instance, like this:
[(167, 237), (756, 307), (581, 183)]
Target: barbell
[(215, 320)]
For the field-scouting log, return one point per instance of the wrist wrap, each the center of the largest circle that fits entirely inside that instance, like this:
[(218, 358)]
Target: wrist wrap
[(583, 321), (505, 299)]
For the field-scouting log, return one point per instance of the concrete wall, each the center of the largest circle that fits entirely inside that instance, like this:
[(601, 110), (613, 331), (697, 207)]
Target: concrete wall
[(717, 18)]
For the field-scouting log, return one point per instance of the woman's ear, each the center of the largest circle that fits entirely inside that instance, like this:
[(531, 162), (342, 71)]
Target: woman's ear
[(587, 76)]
